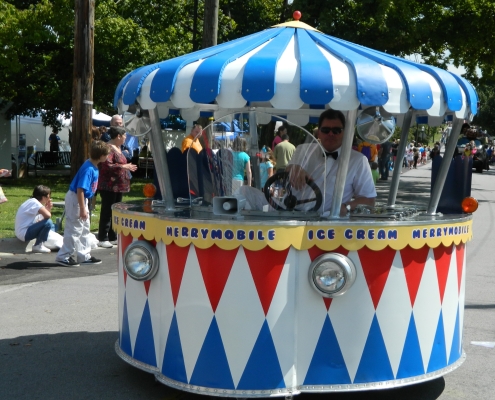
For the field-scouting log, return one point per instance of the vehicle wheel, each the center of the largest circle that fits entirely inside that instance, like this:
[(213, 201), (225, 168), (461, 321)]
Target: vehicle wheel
[(479, 169)]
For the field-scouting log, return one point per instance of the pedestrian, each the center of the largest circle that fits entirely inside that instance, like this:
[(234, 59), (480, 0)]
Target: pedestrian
[(283, 152), (54, 140), (267, 165), (241, 164), (374, 171), (384, 155), (77, 239), (281, 130), (114, 180), (33, 219), (192, 140), (416, 155)]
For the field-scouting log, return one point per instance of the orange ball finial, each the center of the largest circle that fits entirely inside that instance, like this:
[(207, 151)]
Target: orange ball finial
[(297, 15), (149, 190)]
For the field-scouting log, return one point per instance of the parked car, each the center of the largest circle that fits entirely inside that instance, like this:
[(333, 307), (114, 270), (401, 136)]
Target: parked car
[(480, 159)]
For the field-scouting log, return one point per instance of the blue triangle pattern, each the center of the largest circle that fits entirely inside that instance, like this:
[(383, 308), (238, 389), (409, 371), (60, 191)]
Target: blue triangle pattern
[(456, 349), (438, 358), (327, 366), (144, 349), (125, 335), (374, 365), (411, 362), (262, 370), (212, 368), (173, 366)]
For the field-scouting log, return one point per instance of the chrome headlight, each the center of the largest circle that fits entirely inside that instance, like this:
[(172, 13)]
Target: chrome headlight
[(332, 274), (141, 260)]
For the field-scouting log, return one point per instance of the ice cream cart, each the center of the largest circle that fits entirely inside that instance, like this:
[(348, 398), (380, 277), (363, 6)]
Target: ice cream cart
[(224, 297)]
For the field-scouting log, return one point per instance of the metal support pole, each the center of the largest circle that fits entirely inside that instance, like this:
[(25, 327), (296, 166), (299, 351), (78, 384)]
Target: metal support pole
[(344, 157), (160, 159), (253, 149), (394, 185), (444, 167)]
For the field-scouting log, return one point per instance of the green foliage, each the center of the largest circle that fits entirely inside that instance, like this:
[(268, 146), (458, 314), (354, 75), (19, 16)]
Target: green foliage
[(440, 31), (486, 114), (19, 190)]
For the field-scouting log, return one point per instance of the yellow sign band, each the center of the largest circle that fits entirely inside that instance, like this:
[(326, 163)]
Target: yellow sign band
[(229, 236)]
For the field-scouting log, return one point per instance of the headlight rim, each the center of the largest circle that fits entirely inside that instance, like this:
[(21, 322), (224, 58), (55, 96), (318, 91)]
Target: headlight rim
[(345, 264), (153, 254)]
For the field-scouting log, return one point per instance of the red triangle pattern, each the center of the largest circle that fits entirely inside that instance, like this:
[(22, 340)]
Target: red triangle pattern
[(176, 260), (442, 260), (266, 266), (125, 241), (414, 261), (215, 265), (459, 252), (147, 286), (376, 267), (315, 252)]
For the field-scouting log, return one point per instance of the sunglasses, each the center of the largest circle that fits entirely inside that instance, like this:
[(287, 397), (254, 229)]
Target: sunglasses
[(326, 130)]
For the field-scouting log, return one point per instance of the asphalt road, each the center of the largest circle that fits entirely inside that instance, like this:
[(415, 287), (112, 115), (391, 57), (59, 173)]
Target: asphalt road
[(58, 325)]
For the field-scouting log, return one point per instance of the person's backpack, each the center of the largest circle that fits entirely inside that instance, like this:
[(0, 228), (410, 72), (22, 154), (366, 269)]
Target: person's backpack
[(366, 150)]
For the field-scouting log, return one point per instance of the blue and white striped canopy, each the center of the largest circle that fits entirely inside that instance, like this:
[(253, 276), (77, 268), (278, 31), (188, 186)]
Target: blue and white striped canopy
[(294, 70)]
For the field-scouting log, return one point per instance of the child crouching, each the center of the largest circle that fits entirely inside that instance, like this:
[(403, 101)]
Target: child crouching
[(33, 219), (76, 234)]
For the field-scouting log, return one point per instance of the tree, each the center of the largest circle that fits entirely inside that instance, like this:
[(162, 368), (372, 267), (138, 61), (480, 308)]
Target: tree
[(440, 31), (486, 114)]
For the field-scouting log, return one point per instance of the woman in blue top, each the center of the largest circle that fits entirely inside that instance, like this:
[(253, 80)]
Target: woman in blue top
[(240, 164)]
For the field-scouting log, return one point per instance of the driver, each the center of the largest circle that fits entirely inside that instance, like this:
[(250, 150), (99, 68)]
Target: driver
[(359, 187)]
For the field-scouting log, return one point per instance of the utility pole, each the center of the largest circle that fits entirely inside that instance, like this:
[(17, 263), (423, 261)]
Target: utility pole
[(82, 87), (210, 23)]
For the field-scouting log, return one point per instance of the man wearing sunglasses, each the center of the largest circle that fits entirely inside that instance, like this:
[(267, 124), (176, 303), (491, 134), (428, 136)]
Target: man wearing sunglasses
[(359, 187)]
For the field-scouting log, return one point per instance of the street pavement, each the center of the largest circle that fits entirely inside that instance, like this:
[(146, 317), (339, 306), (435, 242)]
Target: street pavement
[(58, 325)]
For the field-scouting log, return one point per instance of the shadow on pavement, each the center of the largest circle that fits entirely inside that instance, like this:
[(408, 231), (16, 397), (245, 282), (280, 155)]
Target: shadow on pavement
[(21, 265), (83, 365)]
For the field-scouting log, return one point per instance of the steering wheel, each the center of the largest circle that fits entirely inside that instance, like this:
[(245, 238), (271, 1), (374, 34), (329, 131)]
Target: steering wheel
[(289, 200)]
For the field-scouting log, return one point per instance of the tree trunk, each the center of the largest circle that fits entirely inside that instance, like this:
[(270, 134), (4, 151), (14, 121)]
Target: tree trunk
[(82, 88), (210, 23)]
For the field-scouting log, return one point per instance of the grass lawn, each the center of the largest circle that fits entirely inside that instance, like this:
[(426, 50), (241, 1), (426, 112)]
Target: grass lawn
[(18, 191)]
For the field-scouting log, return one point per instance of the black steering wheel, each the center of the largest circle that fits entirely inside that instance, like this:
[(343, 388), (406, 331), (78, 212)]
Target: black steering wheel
[(290, 201)]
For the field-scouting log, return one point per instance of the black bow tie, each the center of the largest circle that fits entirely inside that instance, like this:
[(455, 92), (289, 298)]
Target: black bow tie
[(334, 154)]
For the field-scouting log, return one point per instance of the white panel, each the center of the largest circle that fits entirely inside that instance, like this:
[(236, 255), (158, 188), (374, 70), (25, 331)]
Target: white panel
[(394, 312), (230, 95), (298, 119), (161, 304), (287, 80), (190, 115), (463, 112), (427, 309), (352, 333), (397, 94), (193, 310), (121, 285), (240, 316), (344, 83), (439, 105), (144, 99), (136, 300), (310, 317), (180, 97), (281, 316), (462, 293), (450, 304)]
